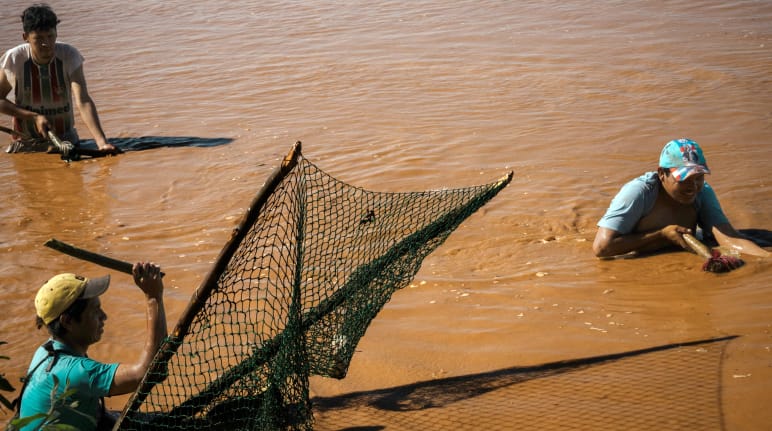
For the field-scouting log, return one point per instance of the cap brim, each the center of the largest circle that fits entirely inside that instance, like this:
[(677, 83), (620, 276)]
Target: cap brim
[(96, 286), (685, 172), (699, 169)]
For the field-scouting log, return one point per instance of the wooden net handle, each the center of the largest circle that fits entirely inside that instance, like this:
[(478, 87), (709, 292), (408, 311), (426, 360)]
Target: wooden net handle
[(90, 256)]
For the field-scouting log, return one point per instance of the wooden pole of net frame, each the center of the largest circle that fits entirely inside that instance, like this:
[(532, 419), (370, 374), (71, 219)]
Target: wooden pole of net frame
[(210, 281), (173, 341)]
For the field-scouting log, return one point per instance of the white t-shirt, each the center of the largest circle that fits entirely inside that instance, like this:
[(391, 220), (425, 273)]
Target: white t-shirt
[(45, 89)]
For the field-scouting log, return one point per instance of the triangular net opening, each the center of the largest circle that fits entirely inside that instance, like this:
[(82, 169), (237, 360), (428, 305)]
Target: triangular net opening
[(293, 291)]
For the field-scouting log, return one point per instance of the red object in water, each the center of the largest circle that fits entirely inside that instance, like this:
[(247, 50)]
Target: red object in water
[(722, 263)]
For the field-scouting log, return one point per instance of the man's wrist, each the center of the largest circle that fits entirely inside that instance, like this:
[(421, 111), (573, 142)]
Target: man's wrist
[(154, 299)]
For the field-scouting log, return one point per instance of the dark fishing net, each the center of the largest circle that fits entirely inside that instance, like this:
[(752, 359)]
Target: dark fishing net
[(292, 293)]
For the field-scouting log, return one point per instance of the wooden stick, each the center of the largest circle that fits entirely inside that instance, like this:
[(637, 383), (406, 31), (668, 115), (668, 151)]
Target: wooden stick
[(174, 340), (12, 132), (90, 256)]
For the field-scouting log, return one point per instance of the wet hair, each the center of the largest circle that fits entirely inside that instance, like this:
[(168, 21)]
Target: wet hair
[(38, 17), (75, 310)]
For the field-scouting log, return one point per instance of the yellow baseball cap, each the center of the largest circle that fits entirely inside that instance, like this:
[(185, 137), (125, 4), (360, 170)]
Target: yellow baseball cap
[(58, 293)]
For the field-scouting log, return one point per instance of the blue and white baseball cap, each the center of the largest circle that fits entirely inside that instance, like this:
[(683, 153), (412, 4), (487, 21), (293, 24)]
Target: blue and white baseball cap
[(683, 157)]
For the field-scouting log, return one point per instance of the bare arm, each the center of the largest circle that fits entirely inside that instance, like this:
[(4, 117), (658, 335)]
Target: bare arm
[(88, 111), (9, 108), (727, 236), (609, 243), (128, 376)]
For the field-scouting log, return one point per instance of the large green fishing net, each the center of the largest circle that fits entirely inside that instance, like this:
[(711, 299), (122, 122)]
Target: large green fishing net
[(291, 294)]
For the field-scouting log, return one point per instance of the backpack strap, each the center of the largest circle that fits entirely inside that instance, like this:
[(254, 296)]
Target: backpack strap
[(49, 346), (104, 420)]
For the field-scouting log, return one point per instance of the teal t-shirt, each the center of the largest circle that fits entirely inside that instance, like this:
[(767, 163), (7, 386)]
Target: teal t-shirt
[(90, 379)]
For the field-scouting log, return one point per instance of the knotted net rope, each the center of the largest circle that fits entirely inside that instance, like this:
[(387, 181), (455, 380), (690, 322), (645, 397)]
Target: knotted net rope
[(308, 268)]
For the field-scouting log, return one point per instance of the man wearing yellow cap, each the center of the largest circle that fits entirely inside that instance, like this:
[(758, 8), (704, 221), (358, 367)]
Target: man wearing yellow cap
[(655, 210), (69, 307)]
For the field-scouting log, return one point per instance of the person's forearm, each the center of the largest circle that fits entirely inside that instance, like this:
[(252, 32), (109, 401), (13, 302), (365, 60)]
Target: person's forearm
[(8, 108), (156, 326), (147, 276), (90, 117), (740, 244), (637, 242), (128, 377)]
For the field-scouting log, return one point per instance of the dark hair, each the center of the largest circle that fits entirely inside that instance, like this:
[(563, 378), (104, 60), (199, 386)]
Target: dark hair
[(38, 17), (75, 310)]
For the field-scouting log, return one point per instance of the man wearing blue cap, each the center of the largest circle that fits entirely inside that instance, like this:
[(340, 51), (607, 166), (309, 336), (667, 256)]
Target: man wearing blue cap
[(655, 210)]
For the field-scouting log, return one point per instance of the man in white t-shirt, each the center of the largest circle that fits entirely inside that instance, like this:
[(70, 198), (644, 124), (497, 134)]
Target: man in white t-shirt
[(39, 80)]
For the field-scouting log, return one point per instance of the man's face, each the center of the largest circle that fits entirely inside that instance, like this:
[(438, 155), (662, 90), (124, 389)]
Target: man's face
[(91, 325), (41, 43), (683, 192)]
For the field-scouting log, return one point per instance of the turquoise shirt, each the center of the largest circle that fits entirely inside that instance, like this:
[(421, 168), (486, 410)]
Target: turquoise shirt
[(90, 379), (636, 199)]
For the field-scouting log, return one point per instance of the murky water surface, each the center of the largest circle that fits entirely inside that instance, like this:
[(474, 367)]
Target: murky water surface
[(576, 97)]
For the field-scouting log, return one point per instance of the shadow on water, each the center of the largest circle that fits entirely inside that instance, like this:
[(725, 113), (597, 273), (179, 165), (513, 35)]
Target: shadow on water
[(89, 148), (762, 237), (677, 379)]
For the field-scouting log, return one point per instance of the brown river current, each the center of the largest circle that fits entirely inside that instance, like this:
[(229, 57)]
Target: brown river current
[(576, 97)]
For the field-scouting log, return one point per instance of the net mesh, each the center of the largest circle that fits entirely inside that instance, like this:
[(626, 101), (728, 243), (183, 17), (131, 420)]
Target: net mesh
[(311, 264)]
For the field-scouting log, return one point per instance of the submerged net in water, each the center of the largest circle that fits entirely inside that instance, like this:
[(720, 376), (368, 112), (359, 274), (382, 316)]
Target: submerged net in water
[(291, 294)]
